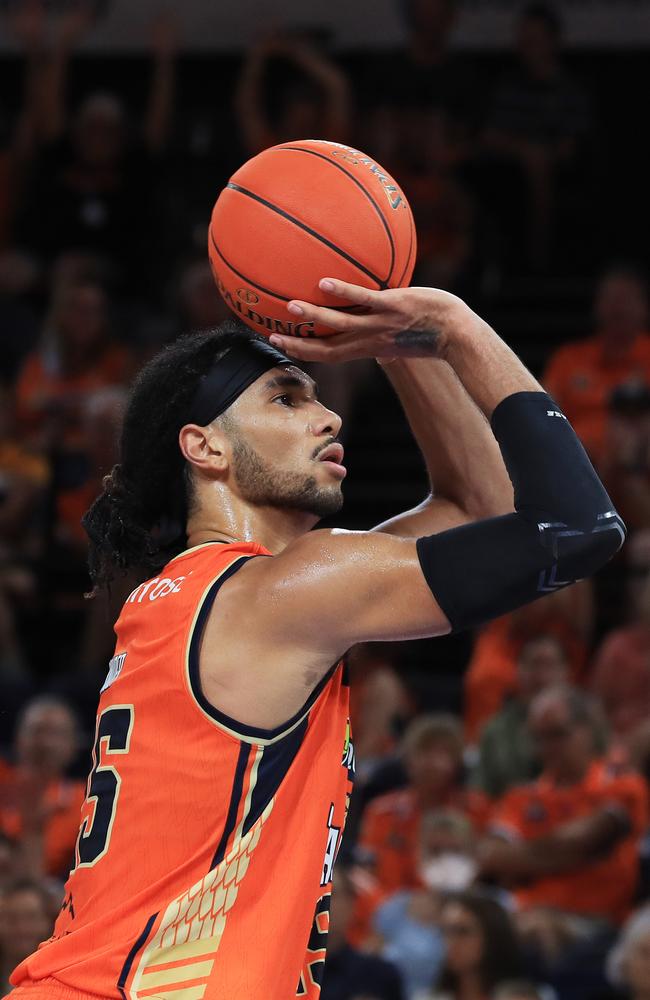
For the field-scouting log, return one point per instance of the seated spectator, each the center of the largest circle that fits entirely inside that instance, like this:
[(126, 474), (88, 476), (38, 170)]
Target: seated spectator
[(351, 974), (621, 670), (26, 919), (567, 844), (580, 376), (379, 706), (481, 948), (628, 964), (77, 357), (39, 805), (624, 461), (506, 755), (539, 119), (433, 757), (407, 923), (491, 675)]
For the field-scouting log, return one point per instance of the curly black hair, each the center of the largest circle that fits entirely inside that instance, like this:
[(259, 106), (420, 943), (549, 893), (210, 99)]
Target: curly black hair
[(138, 522)]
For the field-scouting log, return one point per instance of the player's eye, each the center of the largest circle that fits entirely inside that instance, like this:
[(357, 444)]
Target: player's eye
[(285, 399)]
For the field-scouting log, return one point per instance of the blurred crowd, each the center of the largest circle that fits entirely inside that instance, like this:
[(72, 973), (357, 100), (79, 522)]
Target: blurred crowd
[(497, 852)]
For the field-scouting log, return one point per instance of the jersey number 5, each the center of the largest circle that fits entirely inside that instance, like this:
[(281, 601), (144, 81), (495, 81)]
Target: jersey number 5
[(113, 737)]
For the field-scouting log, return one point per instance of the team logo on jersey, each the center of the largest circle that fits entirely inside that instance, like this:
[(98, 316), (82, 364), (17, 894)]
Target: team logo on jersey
[(114, 670), (334, 836), (348, 752)]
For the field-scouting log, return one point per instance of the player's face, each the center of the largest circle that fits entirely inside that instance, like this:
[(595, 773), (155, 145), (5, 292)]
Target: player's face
[(285, 450)]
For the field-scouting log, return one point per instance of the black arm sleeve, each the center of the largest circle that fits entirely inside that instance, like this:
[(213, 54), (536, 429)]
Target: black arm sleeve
[(564, 527)]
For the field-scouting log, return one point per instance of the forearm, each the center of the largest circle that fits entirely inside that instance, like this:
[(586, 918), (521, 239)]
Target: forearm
[(488, 369), (463, 460)]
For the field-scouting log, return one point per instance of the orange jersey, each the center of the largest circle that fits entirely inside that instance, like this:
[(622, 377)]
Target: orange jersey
[(580, 379), (205, 851), (604, 887)]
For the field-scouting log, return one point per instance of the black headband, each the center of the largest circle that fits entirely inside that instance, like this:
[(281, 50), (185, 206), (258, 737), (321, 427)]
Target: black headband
[(238, 368)]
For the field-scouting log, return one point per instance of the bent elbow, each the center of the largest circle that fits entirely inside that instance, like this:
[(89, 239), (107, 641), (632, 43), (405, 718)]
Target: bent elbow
[(582, 552)]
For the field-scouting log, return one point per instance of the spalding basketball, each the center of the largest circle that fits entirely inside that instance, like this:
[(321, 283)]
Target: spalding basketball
[(300, 212)]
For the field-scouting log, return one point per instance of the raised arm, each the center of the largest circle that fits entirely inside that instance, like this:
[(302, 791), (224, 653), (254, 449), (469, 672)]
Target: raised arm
[(467, 476), (374, 586)]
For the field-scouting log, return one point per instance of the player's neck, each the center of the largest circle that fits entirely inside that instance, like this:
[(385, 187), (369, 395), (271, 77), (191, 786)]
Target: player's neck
[(269, 526)]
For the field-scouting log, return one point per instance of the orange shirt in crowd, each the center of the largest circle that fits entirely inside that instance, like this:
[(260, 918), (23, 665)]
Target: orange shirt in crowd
[(65, 797), (18, 461), (389, 847), (39, 390), (580, 379), (603, 888), (621, 677), (492, 672)]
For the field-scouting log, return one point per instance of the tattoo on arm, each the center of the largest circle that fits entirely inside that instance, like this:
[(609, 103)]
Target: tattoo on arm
[(430, 340)]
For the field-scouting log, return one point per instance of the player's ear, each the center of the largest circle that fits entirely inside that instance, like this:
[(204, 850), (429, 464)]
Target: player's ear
[(205, 448)]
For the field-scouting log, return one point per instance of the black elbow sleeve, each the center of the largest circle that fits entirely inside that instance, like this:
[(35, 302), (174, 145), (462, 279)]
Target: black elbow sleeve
[(564, 527)]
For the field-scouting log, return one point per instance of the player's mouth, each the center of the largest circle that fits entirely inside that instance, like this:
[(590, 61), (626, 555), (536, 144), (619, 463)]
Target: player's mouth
[(332, 457)]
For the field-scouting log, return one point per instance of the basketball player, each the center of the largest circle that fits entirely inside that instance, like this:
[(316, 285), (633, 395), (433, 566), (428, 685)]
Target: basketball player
[(223, 758)]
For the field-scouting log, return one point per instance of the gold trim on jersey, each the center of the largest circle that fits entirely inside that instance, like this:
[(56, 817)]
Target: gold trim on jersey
[(231, 731), (181, 955), (195, 548), (259, 753)]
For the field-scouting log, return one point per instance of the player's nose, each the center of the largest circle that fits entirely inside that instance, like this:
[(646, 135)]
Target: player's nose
[(325, 422)]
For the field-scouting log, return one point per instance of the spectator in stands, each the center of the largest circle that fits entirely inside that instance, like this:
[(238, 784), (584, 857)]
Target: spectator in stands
[(538, 119), (491, 677), (314, 102), (77, 357), (351, 974), (39, 805), (624, 461), (24, 477), (407, 923), (581, 376), (433, 757), (481, 948), (621, 672), (429, 74), (441, 205), (94, 186), (506, 756), (567, 845), (380, 705), (628, 964), (26, 919)]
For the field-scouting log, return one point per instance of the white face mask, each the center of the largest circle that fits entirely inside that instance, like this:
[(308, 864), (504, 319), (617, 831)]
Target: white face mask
[(448, 872)]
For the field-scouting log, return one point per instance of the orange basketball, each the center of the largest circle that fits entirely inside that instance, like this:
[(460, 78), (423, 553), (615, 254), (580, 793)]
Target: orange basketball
[(300, 212)]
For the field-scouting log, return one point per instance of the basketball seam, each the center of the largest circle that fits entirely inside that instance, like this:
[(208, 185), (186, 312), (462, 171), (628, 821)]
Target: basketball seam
[(307, 229), (408, 259), (339, 166), (260, 288)]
